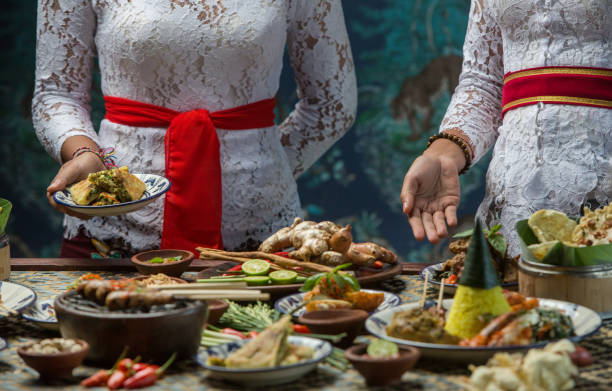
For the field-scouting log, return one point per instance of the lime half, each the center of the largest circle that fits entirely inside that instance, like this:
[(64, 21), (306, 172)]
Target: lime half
[(283, 276), (257, 280), (256, 267), (380, 348)]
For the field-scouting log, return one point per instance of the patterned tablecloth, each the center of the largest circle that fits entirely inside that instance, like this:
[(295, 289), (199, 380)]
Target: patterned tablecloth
[(15, 375)]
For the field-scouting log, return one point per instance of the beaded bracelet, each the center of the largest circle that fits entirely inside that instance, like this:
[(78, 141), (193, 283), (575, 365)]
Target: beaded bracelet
[(460, 143), (107, 155)]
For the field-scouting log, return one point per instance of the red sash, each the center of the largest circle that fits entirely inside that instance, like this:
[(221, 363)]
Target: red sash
[(192, 211), (559, 85)]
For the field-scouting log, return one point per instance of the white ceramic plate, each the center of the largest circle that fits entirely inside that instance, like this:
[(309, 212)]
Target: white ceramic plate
[(257, 377), (288, 303), (450, 289), (16, 296), (3, 344), (43, 313), (586, 322), (156, 186)]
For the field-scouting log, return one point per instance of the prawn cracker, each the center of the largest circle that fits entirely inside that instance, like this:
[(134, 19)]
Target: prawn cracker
[(548, 225)]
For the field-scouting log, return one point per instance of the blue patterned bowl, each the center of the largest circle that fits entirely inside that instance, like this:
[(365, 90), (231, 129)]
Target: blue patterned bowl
[(43, 313), (291, 302), (16, 296), (257, 377), (156, 186)]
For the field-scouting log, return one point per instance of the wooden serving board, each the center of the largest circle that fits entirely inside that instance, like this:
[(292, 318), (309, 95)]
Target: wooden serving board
[(365, 276)]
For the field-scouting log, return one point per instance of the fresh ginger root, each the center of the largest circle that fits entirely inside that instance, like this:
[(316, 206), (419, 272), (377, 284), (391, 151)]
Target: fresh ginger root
[(326, 243)]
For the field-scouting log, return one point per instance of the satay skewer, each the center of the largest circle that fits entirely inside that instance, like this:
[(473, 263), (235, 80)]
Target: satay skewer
[(440, 295), (424, 294)]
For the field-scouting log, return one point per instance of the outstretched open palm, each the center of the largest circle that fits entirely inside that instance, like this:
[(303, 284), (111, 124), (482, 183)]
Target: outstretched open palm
[(430, 196)]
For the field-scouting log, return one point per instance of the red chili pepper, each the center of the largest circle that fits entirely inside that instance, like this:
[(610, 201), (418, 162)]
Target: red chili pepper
[(125, 364), (452, 279), (102, 376), (140, 366), (282, 254), (235, 268), (117, 379), (230, 331), (300, 328), (149, 375), (252, 334), (377, 265), (97, 379)]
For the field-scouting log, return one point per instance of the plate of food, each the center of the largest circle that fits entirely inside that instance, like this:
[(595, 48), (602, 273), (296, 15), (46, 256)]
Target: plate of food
[(42, 313), (273, 357), (112, 192), (335, 290), (450, 270), (482, 319), (305, 248), (15, 297)]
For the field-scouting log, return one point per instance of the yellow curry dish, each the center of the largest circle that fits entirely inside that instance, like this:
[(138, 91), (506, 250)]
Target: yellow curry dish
[(107, 187)]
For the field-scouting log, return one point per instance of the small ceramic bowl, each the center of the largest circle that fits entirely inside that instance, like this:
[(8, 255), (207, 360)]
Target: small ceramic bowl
[(216, 309), (54, 366), (174, 269), (335, 322), (382, 371)]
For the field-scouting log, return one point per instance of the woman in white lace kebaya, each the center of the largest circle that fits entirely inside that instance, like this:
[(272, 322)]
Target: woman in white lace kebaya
[(553, 147), (186, 55)]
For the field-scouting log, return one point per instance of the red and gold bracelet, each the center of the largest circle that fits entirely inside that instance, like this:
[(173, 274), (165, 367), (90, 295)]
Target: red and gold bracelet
[(460, 143), (107, 155)]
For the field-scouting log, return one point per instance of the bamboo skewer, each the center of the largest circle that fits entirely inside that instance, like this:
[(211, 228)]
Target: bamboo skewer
[(193, 286), (220, 294), (440, 295), (424, 294)]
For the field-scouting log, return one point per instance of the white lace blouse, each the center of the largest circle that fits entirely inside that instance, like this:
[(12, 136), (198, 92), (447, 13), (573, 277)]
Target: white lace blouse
[(188, 54), (547, 155)]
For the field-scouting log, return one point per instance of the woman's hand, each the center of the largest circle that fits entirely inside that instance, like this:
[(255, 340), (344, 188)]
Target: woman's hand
[(430, 193), (73, 171)]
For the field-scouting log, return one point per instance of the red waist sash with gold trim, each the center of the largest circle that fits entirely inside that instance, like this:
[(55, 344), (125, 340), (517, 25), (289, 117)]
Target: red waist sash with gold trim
[(558, 85)]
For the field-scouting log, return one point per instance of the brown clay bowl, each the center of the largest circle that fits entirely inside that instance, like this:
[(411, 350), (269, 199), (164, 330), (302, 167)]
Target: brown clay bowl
[(54, 366), (382, 371), (174, 269), (335, 322), (153, 335), (216, 309)]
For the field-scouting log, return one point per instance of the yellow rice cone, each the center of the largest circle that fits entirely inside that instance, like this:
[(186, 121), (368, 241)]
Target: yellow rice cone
[(464, 319)]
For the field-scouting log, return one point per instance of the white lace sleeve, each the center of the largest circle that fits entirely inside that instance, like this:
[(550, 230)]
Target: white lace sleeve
[(475, 108), (64, 58), (321, 59)]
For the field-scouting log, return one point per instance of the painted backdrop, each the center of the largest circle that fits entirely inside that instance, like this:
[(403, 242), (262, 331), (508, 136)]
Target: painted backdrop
[(408, 60)]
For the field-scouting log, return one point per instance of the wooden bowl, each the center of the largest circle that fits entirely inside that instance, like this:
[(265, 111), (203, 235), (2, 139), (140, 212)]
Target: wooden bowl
[(382, 371), (174, 269), (54, 366), (153, 335), (335, 322), (216, 309)]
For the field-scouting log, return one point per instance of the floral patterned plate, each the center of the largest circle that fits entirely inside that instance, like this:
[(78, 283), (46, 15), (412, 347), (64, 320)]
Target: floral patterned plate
[(257, 377), (156, 186), (16, 296), (291, 302), (43, 313), (586, 322)]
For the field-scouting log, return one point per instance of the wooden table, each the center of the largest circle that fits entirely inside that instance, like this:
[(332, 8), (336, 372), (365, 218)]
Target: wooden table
[(50, 276)]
